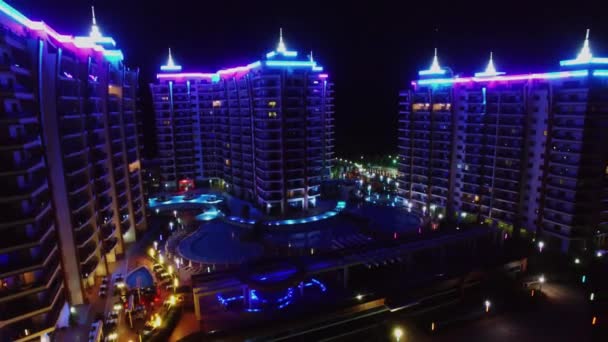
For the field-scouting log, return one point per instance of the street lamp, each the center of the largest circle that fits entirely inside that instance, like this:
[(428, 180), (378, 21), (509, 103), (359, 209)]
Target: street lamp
[(156, 245), (398, 333), (487, 305), (541, 245), (577, 261), (359, 297), (541, 281)]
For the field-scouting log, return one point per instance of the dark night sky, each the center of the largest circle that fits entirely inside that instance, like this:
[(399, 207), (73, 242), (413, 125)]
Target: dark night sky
[(371, 49)]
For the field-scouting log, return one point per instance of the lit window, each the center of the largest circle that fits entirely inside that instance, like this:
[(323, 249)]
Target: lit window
[(165, 98), (545, 132), (272, 104), (217, 103), (227, 162), (272, 114), (167, 122)]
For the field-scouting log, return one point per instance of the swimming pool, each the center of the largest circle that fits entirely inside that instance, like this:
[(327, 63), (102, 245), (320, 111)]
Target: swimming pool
[(140, 278), (179, 199), (219, 242)]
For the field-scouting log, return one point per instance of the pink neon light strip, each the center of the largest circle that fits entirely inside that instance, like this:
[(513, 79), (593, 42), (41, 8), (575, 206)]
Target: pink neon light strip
[(185, 75)]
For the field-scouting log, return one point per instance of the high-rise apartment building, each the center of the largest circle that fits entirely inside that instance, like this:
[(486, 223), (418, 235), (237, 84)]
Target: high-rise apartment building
[(519, 151), (264, 130), (70, 193)]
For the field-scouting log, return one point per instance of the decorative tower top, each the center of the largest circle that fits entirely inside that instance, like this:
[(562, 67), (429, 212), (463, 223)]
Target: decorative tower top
[(95, 33), (281, 47), (585, 56), (170, 66), (490, 69), (434, 69)]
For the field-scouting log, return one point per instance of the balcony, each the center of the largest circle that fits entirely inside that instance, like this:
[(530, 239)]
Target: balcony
[(31, 305), (27, 235), (24, 260)]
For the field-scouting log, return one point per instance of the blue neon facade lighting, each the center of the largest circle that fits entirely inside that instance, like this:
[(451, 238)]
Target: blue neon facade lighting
[(593, 60), (259, 303), (602, 73)]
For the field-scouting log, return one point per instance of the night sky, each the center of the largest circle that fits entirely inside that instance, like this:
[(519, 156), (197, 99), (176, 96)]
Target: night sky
[(370, 50)]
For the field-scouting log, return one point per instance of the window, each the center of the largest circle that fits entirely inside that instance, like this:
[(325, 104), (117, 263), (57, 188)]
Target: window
[(272, 115), (217, 103), (272, 104)]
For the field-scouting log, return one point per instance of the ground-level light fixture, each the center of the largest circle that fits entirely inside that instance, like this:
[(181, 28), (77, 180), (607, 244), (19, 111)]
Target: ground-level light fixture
[(398, 333)]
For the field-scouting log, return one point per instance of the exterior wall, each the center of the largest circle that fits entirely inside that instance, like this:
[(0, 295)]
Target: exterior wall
[(266, 135), (524, 153), (69, 166)]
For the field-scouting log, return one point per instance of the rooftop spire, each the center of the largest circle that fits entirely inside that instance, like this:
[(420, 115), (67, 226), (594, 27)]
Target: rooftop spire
[(490, 68), (94, 28), (311, 57), (435, 65), (281, 47), (170, 66), (170, 60), (585, 53)]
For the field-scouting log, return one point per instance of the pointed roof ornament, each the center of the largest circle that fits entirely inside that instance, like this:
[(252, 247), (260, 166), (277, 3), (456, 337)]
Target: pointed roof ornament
[(584, 56), (434, 69), (94, 28), (170, 66), (170, 59), (312, 60), (490, 69), (281, 47), (435, 65)]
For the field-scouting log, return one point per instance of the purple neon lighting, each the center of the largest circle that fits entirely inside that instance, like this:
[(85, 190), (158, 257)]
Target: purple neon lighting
[(186, 75), (323, 75), (65, 39), (548, 75)]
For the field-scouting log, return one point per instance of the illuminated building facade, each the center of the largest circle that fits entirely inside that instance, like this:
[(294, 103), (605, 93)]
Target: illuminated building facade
[(69, 168), (518, 151), (264, 130)]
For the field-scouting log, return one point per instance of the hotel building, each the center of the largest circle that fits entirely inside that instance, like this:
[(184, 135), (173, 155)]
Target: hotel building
[(518, 151), (71, 192), (264, 130)]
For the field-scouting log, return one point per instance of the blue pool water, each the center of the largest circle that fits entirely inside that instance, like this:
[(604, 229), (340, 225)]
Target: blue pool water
[(140, 277)]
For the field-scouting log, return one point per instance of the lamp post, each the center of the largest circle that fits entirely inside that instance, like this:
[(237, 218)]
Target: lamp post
[(398, 333)]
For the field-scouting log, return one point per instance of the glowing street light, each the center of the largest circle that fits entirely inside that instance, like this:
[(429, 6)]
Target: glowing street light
[(398, 333), (487, 305), (359, 297), (577, 261), (157, 210), (160, 258), (541, 245), (541, 281), (440, 216), (152, 252), (175, 213), (170, 269), (156, 245)]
